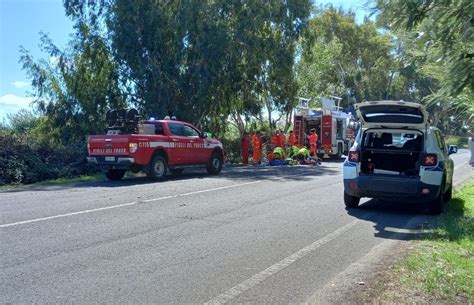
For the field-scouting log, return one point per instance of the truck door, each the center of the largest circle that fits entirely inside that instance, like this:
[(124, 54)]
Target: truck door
[(178, 144), (197, 152)]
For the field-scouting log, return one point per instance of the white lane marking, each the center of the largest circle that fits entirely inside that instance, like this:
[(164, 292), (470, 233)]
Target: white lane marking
[(204, 191), (66, 215), (262, 276), (125, 204)]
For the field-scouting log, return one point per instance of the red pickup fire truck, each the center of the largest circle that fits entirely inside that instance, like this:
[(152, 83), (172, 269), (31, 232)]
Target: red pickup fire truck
[(152, 146)]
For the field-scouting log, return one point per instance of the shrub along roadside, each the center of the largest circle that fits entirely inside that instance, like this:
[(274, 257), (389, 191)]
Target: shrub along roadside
[(441, 268), (23, 160)]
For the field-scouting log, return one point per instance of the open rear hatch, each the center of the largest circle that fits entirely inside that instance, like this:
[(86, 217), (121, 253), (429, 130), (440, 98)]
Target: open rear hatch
[(391, 114)]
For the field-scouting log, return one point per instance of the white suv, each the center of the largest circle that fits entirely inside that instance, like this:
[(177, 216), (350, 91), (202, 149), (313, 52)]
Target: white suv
[(397, 154)]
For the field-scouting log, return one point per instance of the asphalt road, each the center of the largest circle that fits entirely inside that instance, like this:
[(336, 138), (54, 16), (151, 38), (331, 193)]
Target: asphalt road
[(251, 234)]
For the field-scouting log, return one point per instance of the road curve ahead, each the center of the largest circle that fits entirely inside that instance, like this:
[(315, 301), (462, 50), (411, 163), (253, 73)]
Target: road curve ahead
[(259, 235)]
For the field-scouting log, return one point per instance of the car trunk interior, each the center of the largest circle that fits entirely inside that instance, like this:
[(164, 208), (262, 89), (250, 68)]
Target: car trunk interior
[(392, 152)]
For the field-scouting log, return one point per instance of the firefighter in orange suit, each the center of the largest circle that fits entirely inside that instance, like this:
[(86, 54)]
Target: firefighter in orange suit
[(291, 139), (274, 140), (313, 143), (281, 140), (257, 148)]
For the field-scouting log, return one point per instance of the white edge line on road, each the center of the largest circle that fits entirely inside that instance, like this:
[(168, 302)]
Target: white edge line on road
[(125, 204), (262, 276)]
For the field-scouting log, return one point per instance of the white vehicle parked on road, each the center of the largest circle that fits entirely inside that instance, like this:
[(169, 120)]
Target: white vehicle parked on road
[(397, 155)]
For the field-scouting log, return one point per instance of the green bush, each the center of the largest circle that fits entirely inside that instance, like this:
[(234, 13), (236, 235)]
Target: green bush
[(22, 160), (461, 142), (232, 149)]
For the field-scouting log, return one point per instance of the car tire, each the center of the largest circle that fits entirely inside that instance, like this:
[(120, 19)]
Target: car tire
[(157, 170), (214, 166), (115, 174), (436, 206), (351, 201), (448, 195), (176, 171)]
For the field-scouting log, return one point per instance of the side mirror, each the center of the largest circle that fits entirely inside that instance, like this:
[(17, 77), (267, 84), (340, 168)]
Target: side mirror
[(452, 149), (205, 135)]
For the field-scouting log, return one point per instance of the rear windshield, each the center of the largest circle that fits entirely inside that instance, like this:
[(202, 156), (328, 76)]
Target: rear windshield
[(392, 114)]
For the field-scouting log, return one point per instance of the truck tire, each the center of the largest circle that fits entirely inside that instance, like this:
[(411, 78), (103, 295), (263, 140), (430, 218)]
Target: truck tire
[(157, 169), (214, 166), (351, 201), (115, 174)]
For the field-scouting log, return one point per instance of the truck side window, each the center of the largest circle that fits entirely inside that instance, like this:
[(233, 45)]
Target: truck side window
[(159, 129), (190, 132), (176, 129)]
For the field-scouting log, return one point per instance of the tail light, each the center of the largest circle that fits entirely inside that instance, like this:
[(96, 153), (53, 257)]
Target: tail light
[(354, 156), (132, 147), (89, 148), (430, 160)]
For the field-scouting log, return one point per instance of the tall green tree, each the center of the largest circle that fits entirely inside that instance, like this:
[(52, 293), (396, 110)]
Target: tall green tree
[(444, 28), (204, 60), (76, 86), (340, 57)]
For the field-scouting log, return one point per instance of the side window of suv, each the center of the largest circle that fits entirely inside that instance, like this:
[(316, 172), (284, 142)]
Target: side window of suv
[(176, 129), (190, 132)]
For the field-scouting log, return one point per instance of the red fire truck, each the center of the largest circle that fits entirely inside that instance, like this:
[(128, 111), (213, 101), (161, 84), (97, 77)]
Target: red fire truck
[(335, 129), (155, 147)]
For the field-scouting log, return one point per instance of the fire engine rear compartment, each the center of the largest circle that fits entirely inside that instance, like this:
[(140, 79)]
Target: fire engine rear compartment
[(391, 152)]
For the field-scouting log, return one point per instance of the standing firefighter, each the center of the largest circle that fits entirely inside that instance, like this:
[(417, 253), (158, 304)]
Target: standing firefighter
[(313, 143), (291, 139), (257, 148)]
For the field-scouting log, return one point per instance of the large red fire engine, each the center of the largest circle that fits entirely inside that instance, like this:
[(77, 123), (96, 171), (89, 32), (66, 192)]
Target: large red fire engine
[(152, 146), (335, 129)]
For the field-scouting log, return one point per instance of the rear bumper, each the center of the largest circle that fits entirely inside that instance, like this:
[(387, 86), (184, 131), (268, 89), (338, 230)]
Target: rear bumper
[(107, 163), (391, 188)]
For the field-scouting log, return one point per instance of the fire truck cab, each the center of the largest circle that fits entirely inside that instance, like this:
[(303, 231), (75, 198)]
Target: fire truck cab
[(335, 128)]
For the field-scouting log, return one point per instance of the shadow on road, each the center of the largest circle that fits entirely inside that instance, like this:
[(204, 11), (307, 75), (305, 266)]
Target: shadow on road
[(239, 173), (396, 219)]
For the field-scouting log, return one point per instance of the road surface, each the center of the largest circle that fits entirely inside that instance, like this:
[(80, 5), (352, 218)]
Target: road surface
[(259, 235)]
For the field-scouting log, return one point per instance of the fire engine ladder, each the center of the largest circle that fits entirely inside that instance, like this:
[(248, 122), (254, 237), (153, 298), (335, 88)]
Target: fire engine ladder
[(298, 131)]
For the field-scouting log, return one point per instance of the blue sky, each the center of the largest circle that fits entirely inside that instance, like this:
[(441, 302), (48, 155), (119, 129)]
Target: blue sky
[(21, 21)]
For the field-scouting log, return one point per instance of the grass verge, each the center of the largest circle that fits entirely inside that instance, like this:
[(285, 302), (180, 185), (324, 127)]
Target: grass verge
[(441, 267), (58, 181)]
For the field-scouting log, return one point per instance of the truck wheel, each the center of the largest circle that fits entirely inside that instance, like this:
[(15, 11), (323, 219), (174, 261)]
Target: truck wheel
[(115, 174), (176, 171), (157, 168), (351, 201), (214, 166)]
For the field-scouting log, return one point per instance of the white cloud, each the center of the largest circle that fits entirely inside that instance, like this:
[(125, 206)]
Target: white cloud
[(20, 84), (11, 100), (10, 103)]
